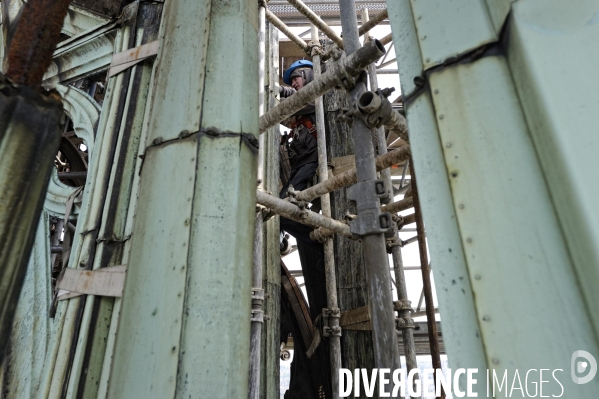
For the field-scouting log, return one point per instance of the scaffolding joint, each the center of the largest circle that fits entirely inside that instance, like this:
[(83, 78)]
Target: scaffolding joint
[(330, 322), (257, 301), (370, 219), (402, 323)]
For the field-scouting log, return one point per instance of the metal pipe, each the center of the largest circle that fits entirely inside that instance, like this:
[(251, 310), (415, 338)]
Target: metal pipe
[(371, 23), (329, 251), (257, 292), (304, 216), (386, 39), (273, 19), (315, 19), (377, 106), (257, 312), (350, 176), (36, 37), (380, 132), (409, 219), (426, 278), (398, 206), (79, 175), (386, 351), (384, 64), (341, 71)]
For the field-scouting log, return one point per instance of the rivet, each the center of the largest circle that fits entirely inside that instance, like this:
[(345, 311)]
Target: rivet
[(428, 60), (454, 174), (186, 222), (477, 277), (461, 206), (423, 37), (448, 144), (441, 116), (436, 91), (174, 348), (495, 360), (468, 240), (486, 318), (420, 17)]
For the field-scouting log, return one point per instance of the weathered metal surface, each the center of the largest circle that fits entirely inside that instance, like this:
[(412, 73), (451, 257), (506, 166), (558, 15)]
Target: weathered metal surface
[(469, 29), (461, 332), (206, 225), (79, 21), (508, 267), (105, 8), (551, 54), (29, 138), (108, 281), (409, 59), (84, 55), (35, 39)]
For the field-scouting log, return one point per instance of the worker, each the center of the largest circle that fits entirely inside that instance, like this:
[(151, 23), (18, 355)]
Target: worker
[(303, 149), (303, 163)]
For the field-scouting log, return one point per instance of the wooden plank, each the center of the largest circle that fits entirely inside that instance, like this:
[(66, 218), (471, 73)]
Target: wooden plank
[(108, 281)]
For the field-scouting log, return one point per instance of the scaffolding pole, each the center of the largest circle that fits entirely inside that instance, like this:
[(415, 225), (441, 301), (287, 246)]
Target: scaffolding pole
[(386, 351), (426, 279), (329, 251), (257, 319), (315, 19), (405, 322), (350, 176), (273, 19)]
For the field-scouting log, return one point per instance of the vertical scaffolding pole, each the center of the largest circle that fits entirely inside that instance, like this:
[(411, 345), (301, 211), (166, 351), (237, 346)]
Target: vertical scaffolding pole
[(329, 253), (257, 291), (426, 278), (375, 255), (398, 269)]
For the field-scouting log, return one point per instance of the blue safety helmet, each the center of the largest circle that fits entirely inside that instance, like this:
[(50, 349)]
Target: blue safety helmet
[(293, 67)]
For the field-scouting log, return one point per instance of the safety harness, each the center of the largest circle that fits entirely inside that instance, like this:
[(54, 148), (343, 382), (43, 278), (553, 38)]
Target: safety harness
[(304, 121)]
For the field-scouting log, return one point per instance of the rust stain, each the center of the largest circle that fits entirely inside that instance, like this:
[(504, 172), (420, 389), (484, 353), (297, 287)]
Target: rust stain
[(35, 40)]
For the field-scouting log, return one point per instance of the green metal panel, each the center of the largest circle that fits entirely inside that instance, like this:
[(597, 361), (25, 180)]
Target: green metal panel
[(512, 241), (450, 28), (184, 45), (553, 57), (409, 59), (146, 354), (217, 310), (498, 11), (461, 332)]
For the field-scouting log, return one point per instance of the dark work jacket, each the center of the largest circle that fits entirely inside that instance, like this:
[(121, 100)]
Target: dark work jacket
[(304, 145)]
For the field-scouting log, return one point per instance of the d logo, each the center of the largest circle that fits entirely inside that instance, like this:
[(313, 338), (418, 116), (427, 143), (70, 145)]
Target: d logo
[(579, 366)]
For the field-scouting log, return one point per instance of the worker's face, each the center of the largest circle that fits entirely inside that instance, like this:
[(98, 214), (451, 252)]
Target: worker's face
[(297, 82)]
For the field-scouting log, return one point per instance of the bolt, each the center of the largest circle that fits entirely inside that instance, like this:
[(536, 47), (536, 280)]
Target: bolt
[(419, 17), (461, 206), (468, 240), (477, 276), (454, 174), (495, 360), (486, 318), (436, 91), (186, 222), (428, 60), (448, 144), (441, 116), (423, 37)]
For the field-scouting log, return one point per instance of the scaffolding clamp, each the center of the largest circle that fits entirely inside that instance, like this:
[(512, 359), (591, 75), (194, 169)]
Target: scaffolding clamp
[(370, 219), (330, 322), (401, 323), (257, 301), (374, 107)]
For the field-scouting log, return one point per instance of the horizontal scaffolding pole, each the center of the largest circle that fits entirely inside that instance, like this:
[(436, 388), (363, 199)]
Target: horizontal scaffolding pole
[(319, 23), (342, 70), (286, 31), (398, 206), (349, 177), (386, 39), (380, 17), (304, 216)]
